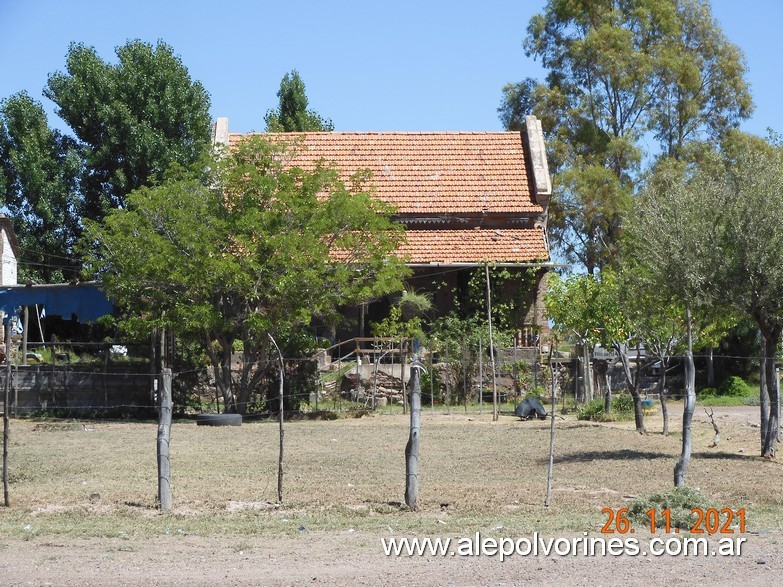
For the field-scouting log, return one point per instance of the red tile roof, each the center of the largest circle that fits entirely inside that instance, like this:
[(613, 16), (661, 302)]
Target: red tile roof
[(430, 173), (519, 245)]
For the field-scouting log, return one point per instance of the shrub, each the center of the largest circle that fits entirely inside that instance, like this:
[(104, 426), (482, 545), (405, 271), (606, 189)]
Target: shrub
[(734, 387), (622, 409), (622, 404), (680, 502), (708, 392), (592, 410)]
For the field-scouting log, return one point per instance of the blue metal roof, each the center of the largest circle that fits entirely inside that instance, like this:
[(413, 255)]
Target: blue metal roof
[(86, 301)]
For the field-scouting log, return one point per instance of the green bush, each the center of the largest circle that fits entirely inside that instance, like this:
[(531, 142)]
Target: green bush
[(708, 392), (622, 404), (622, 408), (592, 410), (680, 502), (734, 387)]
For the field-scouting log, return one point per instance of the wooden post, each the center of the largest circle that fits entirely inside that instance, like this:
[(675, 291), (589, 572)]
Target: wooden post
[(6, 499), (491, 349), (465, 359), (15, 384), (432, 382), (402, 380), (165, 405), (777, 384), (281, 416), (448, 381), (26, 322), (481, 377), (550, 471), (414, 439), (516, 375), (153, 371)]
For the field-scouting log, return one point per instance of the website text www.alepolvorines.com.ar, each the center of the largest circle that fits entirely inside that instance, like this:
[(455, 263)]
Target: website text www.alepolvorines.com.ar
[(585, 545)]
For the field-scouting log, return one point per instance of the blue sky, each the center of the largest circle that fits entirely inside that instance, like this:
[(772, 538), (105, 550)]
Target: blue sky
[(368, 65)]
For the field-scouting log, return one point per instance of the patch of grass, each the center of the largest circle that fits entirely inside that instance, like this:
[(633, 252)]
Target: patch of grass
[(680, 502), (622, 409), (475, 474), (734, 391)]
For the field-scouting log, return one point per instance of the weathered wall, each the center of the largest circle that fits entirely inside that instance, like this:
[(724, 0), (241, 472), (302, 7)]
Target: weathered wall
[(45, 387)]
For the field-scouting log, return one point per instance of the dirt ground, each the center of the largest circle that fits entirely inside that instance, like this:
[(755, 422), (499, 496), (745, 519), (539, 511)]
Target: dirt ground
[(323, 548)]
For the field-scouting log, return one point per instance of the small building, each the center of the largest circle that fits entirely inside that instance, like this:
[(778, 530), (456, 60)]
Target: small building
[(466, 199), (9, 250)]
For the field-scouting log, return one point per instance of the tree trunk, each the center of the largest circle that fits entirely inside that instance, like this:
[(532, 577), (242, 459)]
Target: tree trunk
[(602, 384), (632, 383), (690, 404), (664, 406), (710, 368), (588, 373), (164, 439), (638, 410), (221, 364), (412, 448), (769, 393)]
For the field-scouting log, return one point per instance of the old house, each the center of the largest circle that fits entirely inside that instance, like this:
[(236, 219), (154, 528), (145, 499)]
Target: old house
[(9, 250), (465, 198)]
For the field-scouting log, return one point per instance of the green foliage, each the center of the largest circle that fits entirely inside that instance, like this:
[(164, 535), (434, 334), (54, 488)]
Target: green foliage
[(616, 72), (511, 290), (734, 387), (405, 319), (622, 409), (292, 114), (518, 101), (244, 253), (395, 327), (301, 379), (39, 187), (133, 118), (587, 308), (710, 223), (431, 383), (679, 501)]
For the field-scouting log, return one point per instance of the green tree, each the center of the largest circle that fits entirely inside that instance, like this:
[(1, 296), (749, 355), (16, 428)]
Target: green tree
[(702, 92), (704, 236), (39, 173), (579, 309), (617, 71), (675, 264), (749, 186), (518, 101), (292, 114), (625, 310), (405, 319), (248, 249), (134, 118)]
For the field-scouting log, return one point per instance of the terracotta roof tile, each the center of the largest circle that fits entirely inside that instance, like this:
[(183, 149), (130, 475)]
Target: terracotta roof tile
[(429, 173), (475, 246)]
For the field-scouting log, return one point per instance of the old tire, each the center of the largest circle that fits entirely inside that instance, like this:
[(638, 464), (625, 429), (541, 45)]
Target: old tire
[(219, 420)]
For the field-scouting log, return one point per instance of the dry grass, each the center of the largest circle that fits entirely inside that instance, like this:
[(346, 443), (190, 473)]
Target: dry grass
[(349, 473)]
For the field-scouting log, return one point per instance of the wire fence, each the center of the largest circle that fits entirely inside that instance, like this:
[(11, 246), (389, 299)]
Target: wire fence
[(119, 381)]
